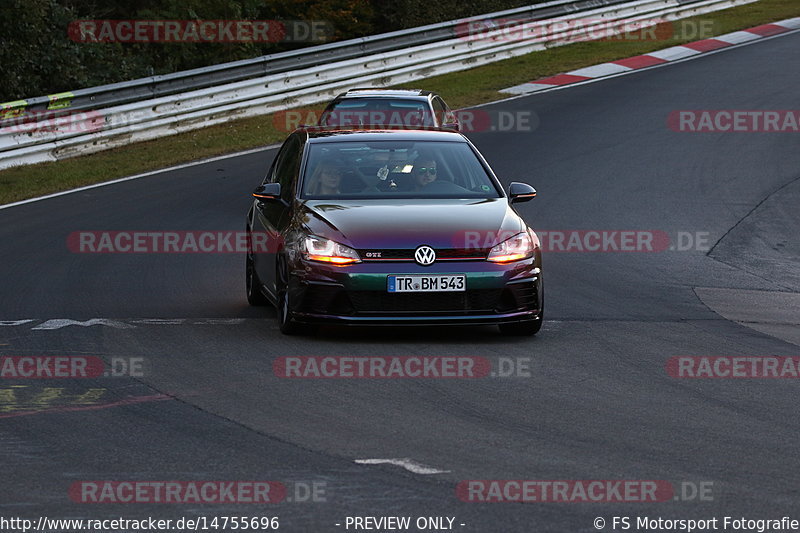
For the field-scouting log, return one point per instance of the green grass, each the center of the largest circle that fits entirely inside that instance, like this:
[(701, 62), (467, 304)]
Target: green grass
[(460, 89)]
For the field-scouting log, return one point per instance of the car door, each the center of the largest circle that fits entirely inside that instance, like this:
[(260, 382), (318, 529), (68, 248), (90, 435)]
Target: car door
[(272, 217)]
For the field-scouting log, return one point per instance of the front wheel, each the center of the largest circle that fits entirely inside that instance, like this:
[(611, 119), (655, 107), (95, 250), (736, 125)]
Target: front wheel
[(253, 283), (286, 323)]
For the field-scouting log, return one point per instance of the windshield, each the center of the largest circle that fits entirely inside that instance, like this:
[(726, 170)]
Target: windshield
[(392, 169), (378, 111)]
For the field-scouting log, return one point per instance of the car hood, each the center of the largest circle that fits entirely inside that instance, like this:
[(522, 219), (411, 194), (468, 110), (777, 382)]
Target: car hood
[(397, 224)]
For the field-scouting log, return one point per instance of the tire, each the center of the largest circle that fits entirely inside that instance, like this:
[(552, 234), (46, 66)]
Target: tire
[(286, 324), (252, 283)]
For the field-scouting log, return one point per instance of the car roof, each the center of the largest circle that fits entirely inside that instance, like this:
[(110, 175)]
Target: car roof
[(322, 135), (375, 93)]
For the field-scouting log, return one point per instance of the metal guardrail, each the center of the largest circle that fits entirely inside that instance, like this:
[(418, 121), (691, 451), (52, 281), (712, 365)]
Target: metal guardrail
[(134, 114), (200, 78)]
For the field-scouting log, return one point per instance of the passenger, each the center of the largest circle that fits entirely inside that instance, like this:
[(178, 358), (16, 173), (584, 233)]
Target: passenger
[(326, 179)]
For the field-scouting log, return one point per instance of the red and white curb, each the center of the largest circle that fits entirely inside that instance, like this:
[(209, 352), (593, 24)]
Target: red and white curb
[(656, 58)]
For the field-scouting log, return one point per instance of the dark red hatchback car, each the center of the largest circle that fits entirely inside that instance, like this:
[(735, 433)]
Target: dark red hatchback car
[(392, 227)]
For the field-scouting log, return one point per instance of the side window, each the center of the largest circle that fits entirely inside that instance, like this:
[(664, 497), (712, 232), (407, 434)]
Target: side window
[(439, 111), (287, 166), (270, 177), (449, 116), (326, 113)]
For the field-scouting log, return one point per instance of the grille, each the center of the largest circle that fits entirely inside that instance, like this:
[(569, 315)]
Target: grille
[(408, 255), (373, 302)]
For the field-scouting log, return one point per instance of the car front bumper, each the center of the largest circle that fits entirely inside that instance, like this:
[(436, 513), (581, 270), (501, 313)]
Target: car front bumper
[(357, 294)]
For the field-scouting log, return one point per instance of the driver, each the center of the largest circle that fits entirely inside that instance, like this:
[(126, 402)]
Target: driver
[(424, 171)]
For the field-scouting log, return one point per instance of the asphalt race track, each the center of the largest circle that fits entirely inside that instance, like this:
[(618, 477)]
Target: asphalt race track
[(598, 403)]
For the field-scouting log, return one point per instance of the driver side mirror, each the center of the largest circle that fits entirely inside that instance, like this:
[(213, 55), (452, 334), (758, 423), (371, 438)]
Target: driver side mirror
[(520, 192), (268, 191), (451, 122)]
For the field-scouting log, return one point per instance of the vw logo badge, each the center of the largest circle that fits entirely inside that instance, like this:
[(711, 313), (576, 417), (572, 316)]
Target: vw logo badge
[(424, 255)]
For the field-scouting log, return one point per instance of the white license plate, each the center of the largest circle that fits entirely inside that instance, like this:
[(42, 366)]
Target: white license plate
[(425, 283)]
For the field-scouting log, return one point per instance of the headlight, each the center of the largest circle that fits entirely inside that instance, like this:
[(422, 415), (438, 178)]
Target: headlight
[(518, 247), (328, 251)]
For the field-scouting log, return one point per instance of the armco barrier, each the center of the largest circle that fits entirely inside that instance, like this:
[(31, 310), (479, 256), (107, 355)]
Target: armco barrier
[(75, 126)]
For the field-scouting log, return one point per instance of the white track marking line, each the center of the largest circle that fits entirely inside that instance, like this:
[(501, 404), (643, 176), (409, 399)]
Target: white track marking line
[(218, 321), (738, 37), (143, 175), (603, 69), (121, 323), (58, 323), (159, 321), (673, 53), (790, 23), (408, 464), (526, 88)]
